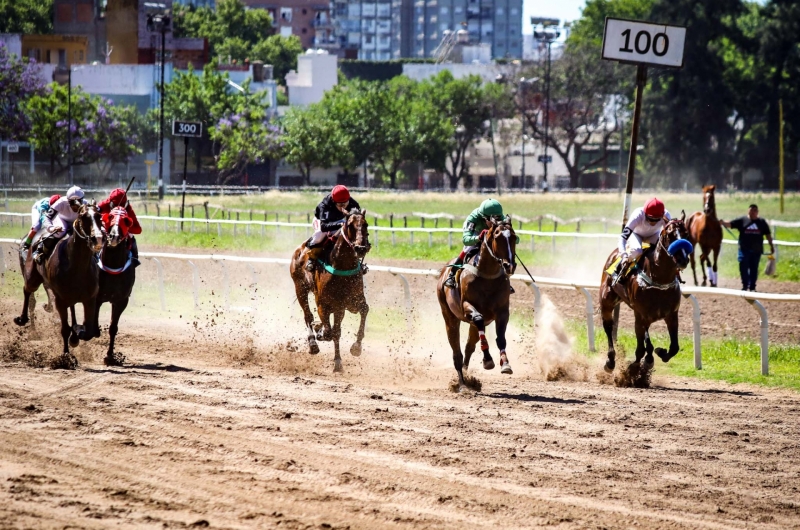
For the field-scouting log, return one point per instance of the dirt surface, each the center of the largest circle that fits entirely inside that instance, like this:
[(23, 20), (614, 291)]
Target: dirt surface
[(241, 430)]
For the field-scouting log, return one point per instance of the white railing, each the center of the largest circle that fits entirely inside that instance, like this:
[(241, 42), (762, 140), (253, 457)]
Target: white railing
[(754, 299)]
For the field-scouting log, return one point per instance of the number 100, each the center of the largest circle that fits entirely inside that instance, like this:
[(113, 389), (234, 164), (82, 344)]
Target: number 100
[(644, 41)]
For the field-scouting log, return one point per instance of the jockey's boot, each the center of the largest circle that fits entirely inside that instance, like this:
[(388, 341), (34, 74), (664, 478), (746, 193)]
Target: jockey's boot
[(26, 243), (134, 253), (622, 270), (312, 255), (451, 277)]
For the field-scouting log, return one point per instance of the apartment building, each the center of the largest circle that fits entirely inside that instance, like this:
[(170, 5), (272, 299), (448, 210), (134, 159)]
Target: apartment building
[(310, 20)]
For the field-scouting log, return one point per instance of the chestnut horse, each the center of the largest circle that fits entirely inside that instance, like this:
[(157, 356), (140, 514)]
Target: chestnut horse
[(71, 273), (704, 229), (24, 265), (117, 276), (337, 283), (654, 293), (481, 296)]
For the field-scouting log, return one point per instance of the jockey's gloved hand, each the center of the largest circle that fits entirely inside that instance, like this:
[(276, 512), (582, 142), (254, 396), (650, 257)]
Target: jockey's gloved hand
[(482, 234)]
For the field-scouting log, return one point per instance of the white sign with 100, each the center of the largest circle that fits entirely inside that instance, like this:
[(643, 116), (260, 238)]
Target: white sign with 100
[(643, 43)]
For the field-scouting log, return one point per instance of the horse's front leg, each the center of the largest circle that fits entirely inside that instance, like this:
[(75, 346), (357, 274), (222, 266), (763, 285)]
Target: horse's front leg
[(336, 333), (67, 360), (674, 346), (74, 337), (23, 318), (500, 325), (607, 313), (648, 347), (641, 332), (89, 322), (714, 279), (705, 266), (472, 341), (453, 326), (694, 271), (477, 320), (302, 291), (363, 310), (112, 358)]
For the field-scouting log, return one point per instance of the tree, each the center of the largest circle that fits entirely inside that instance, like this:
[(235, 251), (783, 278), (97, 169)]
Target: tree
[(281, 52), (121, 133), (28, 17), (19, 80), (309, 138)]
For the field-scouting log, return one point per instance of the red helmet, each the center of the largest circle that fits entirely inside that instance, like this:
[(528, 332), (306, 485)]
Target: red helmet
[(118, 197), (340, 193), (54, 198), (654, 208)]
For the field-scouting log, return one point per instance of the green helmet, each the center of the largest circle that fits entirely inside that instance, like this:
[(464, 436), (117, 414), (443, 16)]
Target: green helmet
[(491, 208)]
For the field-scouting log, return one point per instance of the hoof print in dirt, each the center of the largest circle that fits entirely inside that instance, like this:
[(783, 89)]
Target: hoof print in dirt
[(65, 361)]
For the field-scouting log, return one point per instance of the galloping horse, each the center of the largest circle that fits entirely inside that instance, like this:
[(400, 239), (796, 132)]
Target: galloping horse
[(117, 276), (337, 284), (481, 296), (654, 293), (26, 265), (704, 229), (71, 273)]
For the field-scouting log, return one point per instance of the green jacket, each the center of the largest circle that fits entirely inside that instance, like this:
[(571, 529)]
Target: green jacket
[(476, 221)]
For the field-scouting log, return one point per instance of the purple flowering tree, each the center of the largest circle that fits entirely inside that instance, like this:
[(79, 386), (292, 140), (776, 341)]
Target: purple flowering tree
[(19, 80)]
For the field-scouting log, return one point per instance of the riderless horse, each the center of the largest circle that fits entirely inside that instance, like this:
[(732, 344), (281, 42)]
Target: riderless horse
[(337, 283), (71, 272), (705, 229), (653, 292), (481, 296), (117, 276)]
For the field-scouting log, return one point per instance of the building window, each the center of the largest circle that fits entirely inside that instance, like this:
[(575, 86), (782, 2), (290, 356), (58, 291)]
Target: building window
[(35, 54), (62, 57), (304, 31), (444, 11), (286, 31), (458, 10), (47, 56), (84, 12), (368, 39), (514, 11), (512, 31), (500, 10), (304, 11), (64, 13), (286, 14)]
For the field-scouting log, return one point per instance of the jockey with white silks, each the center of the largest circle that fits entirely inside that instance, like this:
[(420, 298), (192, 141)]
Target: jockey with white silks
[(644, 226), (329, 217), (58, 221), (38, 211)]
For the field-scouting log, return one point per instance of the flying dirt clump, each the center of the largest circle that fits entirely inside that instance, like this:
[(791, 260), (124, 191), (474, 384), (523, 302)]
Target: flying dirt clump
[(554, 352)]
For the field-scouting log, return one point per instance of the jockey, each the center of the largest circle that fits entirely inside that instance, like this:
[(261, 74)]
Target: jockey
[(328, 218), (38, 210), (644, 226), (475, 228), (58, 221), (118, 198)]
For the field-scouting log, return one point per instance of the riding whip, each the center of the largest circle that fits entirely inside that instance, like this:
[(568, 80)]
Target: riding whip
[(127, 189), (524, 267)]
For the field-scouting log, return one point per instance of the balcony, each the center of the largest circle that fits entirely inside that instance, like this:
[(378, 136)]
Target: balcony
[(322, 24)]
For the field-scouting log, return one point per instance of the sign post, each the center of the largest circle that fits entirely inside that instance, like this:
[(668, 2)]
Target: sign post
[(187, 129), (643, 44)]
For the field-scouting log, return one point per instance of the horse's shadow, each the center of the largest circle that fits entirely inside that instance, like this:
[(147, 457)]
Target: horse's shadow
[(536, 399), (705, 391), (127, 368)]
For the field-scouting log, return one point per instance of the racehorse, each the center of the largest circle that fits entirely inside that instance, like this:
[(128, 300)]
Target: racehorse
[(337, 284), (117, 276), (26, 265), (654, 293), (71, 273), (704, 229), (481, 296)]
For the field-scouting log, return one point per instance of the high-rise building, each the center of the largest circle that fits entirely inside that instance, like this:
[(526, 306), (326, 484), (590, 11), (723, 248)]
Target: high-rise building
[(310, 20)]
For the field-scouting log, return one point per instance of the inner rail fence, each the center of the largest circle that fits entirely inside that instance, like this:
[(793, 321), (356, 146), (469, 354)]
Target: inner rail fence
[(690, 293)]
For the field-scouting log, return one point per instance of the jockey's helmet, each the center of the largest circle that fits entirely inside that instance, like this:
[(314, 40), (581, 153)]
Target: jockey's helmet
[(54, 198), (118, 197), (491, 208), (654, 209), (74, 193), (340, 194)]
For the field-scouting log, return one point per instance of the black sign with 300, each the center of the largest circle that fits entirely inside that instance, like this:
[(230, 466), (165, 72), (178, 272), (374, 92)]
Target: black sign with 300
[(187, 128)]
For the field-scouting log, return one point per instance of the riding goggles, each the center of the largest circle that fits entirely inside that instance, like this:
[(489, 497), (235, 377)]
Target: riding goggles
[(652, 219)]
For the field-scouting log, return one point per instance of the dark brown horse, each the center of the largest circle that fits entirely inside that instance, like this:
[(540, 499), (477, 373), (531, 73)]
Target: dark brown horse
[(71, 273), (654, 293), (337, 284), (705, 230), (480, 297), (23, 263), (117, 276)]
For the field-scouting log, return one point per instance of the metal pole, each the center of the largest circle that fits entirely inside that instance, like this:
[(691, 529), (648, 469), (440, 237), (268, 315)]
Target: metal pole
[(494, 157), (69, 124), (780, 148), (546, 115), (641, 80), (522, 184), (161, 119), (185, 162)]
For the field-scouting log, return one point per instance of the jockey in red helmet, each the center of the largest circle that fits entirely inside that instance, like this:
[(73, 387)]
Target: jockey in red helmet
[(329, 216), (118, 198), (644, 226)]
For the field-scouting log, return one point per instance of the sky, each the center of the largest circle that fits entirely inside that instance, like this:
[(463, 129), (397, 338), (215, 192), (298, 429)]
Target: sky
[(561, 9)]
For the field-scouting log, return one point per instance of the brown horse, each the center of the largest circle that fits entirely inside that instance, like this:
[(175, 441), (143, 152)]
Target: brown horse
[(71, 273), (337, 284), (654, 293), (481, 296), (704, 229), (23, 263)]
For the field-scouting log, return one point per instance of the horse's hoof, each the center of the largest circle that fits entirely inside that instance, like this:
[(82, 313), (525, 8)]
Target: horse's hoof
[(337, 367), (609, 366), (355, 349), (21, 321), (74, 340), (488, 364), (114, 359), (648, 362), (65, 361), (506, 368), (313, 348), (662, 354)]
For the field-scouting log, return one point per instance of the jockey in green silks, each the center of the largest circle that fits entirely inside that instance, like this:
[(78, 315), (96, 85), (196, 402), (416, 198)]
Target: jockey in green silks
[(475, 227)]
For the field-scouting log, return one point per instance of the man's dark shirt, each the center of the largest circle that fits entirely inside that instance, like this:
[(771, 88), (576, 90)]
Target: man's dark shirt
[(751, 233), (329, 215)]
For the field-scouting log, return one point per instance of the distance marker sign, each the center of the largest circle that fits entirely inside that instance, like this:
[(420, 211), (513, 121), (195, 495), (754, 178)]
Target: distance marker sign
[(187, 128), (643, 43)]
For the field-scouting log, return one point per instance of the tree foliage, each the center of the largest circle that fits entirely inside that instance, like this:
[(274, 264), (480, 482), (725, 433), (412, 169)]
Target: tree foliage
[(19, 80), (28, 17), (309, 139)]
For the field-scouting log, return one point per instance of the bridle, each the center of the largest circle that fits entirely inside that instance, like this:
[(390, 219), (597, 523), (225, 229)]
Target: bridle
[(709, 204), (661, 245), (77, 227), (507, 234)]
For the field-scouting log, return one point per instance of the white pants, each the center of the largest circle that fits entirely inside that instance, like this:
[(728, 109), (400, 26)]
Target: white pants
[(318, 236), (634, 245), (36, 218)]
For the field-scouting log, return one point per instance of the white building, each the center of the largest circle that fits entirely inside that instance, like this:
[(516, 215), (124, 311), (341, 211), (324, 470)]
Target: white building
[(317, 72)]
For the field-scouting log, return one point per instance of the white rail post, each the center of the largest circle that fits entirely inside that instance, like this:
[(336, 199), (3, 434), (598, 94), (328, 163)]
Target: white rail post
[(161, 283), (195, 284), (589, 317), (407, 295), (762, 311), (537, 303), (698, 359)]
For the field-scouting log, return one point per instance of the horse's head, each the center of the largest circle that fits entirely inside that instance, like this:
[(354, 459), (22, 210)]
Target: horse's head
[(709, 206), (503, 243), (355, 231), (117, 223), (88, 226), (673, 239)]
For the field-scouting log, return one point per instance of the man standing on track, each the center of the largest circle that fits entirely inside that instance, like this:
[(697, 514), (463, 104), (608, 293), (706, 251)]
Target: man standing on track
[(752, 230)]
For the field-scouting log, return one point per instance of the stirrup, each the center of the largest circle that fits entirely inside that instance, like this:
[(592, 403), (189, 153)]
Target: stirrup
[(310, 265), (450, 281), (38, 257), (364, 269)]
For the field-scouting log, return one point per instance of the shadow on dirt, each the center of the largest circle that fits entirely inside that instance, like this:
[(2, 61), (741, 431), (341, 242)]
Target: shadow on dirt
[(537, 399), (705, 391)]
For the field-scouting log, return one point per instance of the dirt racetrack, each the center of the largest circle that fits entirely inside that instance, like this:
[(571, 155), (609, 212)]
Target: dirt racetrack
[(202, 429)]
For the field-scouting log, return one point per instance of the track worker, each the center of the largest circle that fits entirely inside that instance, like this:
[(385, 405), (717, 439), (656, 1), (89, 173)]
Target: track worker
[(58, 222), (752, 230), (38, 211), (644, 227), (329, 217), (119, 199), (475, 227)]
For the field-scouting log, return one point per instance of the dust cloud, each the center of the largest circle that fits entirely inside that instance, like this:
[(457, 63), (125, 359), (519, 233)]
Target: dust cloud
[(554, 347)]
